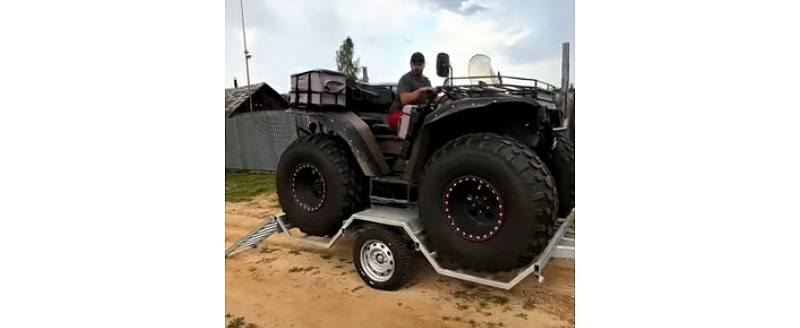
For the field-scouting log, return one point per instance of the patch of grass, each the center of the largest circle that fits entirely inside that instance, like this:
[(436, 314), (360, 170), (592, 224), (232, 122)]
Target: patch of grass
[(494, 324), (480, 296), (326, 256), (528, 304), (306, 269), (522, 315), (264, 260), (237, 322), (294, 252), (244, 186)]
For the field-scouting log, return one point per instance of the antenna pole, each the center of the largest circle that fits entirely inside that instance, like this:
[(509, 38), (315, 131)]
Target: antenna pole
[(246, 59)]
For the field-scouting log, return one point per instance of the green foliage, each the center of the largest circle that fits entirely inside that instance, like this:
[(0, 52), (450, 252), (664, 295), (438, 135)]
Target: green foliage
[(344, 60), (244, 186)]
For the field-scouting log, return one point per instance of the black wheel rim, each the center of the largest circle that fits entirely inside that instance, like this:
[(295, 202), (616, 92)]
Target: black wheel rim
[(308, 188), (473, 208)]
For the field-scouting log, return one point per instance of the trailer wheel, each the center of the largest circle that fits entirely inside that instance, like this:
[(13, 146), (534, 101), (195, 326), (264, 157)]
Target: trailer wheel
[(382, 259)]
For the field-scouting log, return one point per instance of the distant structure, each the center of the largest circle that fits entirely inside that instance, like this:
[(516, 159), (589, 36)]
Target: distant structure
[(263, 96)]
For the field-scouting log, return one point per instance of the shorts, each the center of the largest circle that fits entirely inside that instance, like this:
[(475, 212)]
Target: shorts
[(394, 119)]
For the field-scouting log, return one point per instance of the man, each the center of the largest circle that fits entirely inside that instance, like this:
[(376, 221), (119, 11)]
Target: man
[(412, 89)]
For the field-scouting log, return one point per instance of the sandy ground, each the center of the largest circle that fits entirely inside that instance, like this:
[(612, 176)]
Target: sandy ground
[(282, 284)]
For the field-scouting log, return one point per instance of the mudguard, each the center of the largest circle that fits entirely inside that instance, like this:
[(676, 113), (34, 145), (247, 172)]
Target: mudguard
[(463, 105), (353, 130)]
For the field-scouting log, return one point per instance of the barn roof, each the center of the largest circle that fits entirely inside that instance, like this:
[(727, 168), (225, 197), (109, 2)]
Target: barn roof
[(236, 97)]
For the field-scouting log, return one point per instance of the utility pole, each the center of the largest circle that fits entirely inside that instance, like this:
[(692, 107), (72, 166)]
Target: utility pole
[(564, 75), (568, 93), (246, 59)]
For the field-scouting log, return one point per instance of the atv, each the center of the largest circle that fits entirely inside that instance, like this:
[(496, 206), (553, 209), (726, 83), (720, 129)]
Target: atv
[(487, 164)]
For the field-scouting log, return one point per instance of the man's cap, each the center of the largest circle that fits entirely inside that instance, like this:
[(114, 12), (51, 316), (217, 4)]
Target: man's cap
[(417, 57)]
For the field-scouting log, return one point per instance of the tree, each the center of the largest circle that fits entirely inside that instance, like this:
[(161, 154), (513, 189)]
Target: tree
[(344, 60)]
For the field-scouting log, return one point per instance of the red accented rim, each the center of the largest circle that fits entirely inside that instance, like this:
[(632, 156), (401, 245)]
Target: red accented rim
[(473, 208), (308, 188)]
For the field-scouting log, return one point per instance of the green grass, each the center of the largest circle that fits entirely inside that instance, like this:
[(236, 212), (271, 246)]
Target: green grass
[(244, 186)]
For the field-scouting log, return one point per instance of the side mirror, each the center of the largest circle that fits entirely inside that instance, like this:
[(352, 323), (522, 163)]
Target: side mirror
[(443, 65)]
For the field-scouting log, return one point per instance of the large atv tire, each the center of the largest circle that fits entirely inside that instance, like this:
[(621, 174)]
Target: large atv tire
[(488, 203), (319, 184), (561, 162)]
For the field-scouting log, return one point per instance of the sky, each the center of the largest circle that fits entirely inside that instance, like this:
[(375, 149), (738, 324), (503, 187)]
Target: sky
[(522, 37)]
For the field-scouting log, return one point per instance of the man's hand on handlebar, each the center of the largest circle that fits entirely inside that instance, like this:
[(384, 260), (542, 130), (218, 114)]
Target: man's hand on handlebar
[(425, 90)]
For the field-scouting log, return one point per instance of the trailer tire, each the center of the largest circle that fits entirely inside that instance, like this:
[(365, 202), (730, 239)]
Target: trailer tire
[(382, 259), (488, 203), (319, 184)]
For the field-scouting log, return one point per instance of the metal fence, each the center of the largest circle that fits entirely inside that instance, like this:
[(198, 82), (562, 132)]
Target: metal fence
[(255, 141)]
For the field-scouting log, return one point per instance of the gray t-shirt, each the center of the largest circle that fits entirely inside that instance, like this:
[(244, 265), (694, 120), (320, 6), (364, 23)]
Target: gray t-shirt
[(409, 83)]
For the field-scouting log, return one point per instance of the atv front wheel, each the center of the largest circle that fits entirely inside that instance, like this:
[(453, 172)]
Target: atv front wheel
[(487, 202), (319, 185)]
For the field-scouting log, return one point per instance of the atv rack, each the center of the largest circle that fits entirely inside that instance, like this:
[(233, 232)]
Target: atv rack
[(406, 222), (514, 86)]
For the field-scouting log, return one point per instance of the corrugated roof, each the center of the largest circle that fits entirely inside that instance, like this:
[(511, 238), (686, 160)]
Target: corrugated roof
[(234, 97)]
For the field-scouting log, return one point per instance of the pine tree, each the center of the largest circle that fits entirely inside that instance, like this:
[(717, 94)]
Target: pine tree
[(344, 60)]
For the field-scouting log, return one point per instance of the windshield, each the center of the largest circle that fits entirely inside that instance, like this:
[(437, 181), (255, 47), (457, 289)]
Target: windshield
[(481, 65)]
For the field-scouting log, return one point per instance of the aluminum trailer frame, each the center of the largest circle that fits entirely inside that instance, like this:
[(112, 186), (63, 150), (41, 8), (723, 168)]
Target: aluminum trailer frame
[(561, 245)]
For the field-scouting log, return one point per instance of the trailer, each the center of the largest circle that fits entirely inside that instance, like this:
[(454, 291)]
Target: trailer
[(387, 238)]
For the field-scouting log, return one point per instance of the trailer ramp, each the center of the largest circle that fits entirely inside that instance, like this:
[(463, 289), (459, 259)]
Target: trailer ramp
[(561, 245)]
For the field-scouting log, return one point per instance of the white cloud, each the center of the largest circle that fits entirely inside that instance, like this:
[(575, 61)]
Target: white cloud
[(287, 37)]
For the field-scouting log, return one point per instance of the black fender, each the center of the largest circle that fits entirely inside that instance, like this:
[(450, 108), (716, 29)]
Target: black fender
[(472, 104), (436, 128), (352, 130)]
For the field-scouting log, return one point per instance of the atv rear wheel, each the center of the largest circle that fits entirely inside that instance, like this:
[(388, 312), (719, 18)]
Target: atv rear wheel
[(561, 162), (319, 185), (487, 202)]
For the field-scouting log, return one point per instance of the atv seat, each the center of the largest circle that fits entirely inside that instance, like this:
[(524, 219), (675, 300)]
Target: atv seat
[(381, 129), (378, 124)]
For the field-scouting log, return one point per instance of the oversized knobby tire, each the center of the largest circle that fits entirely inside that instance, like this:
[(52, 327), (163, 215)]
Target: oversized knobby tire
[(487, 202), (382, 259), (561, 163), (319, 184)]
